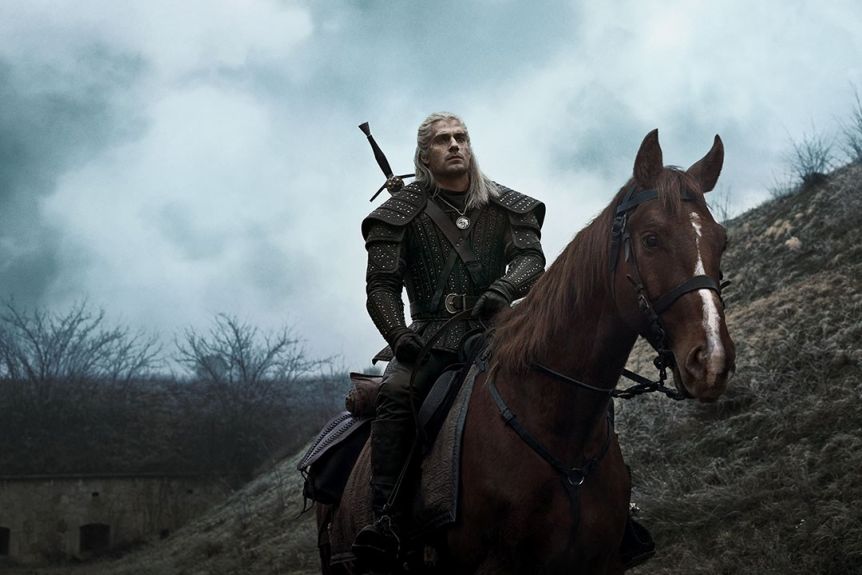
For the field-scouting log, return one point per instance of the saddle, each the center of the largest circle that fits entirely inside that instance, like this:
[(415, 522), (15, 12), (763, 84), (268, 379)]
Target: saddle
[(327, 464)]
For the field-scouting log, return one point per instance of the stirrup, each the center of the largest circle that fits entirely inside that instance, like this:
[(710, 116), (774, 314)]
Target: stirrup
[(378, 546)]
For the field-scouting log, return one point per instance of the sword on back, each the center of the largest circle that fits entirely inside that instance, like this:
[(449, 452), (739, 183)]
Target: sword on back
[(393, 183)]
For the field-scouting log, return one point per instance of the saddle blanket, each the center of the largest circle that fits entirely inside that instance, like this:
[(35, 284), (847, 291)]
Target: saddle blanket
[(437, 503)]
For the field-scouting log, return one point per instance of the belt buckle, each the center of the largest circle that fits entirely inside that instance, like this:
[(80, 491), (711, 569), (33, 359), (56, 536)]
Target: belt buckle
[(451, 299)]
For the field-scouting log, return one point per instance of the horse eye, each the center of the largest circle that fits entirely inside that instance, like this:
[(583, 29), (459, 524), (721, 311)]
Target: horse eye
[(650, 241)]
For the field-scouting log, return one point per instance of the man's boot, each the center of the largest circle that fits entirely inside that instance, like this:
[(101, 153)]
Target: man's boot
[(637, 545), (377, 546)]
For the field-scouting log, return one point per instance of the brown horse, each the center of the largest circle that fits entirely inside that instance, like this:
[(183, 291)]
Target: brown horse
[(548, 491)]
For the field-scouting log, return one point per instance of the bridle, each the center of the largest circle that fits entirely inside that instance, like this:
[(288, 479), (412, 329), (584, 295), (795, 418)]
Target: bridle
[(651, 311), (655, 333)]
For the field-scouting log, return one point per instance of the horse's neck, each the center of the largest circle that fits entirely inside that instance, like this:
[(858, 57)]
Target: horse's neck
[(593, 351), (596, 348)]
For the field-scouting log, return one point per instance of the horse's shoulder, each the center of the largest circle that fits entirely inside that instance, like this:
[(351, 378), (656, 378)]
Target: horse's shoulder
[(399, 210)]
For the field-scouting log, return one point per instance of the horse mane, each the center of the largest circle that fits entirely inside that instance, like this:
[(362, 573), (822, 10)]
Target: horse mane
[(574, 284)]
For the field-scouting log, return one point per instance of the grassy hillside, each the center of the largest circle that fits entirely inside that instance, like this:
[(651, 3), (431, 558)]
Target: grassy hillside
[(767, 480)]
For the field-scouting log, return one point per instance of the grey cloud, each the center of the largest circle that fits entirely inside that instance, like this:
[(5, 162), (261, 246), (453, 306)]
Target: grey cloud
[(419, 50), (275, 273), (235, 178), (597, 134), (177, 223), (49, 122)]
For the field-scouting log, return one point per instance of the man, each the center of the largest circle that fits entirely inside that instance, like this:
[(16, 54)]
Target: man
[(456, 241)]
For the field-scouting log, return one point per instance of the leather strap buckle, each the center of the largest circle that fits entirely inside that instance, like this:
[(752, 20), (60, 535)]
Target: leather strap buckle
[(452, 299)]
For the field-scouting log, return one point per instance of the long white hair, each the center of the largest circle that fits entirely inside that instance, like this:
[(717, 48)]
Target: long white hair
[(481, 188)]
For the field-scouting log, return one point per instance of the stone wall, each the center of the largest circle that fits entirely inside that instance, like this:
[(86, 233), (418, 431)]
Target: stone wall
[(50, 518)]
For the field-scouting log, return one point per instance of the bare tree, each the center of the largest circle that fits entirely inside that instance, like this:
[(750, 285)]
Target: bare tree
[(239, 355), (249, 381), (853, 131), (66, 393), (40, 346)]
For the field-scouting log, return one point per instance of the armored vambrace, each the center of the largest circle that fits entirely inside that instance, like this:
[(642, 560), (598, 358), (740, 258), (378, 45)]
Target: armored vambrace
[(383, 282), (526, 259), (387, 312)]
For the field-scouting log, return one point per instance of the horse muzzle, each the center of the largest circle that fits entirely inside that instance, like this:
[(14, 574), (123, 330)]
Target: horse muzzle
[(702, 370)]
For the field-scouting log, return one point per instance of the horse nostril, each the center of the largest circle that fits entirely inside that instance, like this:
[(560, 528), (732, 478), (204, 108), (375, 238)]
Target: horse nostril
[(695, 363)]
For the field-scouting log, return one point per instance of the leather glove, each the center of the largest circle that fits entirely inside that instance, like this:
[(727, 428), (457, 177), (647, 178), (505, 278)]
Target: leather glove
[(407, 346), (489, 304)]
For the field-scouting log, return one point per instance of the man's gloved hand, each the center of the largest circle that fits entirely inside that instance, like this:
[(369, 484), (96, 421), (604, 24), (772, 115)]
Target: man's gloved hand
[(407, 346), (489, 304)]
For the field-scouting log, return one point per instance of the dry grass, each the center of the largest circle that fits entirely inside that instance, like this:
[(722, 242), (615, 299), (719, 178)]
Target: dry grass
[(766, 480)]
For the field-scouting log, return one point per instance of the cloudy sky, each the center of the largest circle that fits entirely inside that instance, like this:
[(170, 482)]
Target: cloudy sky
[(171, 160)]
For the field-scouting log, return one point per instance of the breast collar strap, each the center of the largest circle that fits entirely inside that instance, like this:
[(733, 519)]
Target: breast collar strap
[(572, 476)]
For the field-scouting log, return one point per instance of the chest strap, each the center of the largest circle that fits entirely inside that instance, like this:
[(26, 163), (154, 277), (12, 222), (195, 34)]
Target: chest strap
[(460, 243), (573, 477)]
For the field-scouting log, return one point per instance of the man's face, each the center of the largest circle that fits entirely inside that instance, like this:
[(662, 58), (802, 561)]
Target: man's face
[(449, 153)]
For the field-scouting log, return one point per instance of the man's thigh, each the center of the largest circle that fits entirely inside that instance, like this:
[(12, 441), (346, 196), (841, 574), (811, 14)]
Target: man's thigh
[(396, 387)]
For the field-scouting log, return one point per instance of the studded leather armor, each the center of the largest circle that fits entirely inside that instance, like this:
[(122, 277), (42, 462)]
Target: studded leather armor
[(406, 248)]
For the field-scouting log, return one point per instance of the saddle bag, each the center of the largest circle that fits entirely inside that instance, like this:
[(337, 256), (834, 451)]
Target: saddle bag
[(327, 464), (361, 400)]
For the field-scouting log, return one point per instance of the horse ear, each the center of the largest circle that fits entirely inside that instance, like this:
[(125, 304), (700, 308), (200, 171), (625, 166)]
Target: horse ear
[(707, 169), (648, 163)]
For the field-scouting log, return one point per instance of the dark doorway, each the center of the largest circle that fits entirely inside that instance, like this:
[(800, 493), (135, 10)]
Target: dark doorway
[(95, 537), (4, 541)]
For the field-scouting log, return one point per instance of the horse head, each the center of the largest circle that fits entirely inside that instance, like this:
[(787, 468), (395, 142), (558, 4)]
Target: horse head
[(669, 250)]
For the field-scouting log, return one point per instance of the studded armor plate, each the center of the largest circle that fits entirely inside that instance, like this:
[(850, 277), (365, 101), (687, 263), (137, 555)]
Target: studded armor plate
[(406, 248)]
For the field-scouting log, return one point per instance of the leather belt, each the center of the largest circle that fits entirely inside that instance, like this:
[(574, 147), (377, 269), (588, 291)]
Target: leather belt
[(452, 303)]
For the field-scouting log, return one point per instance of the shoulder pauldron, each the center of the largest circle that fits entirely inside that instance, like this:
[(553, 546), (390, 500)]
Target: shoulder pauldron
[(382, 233), (398, 210), (523, 210)]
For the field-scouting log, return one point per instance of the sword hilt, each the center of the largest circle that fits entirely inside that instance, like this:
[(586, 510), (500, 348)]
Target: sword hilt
[(393, 183), (378, 153)]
